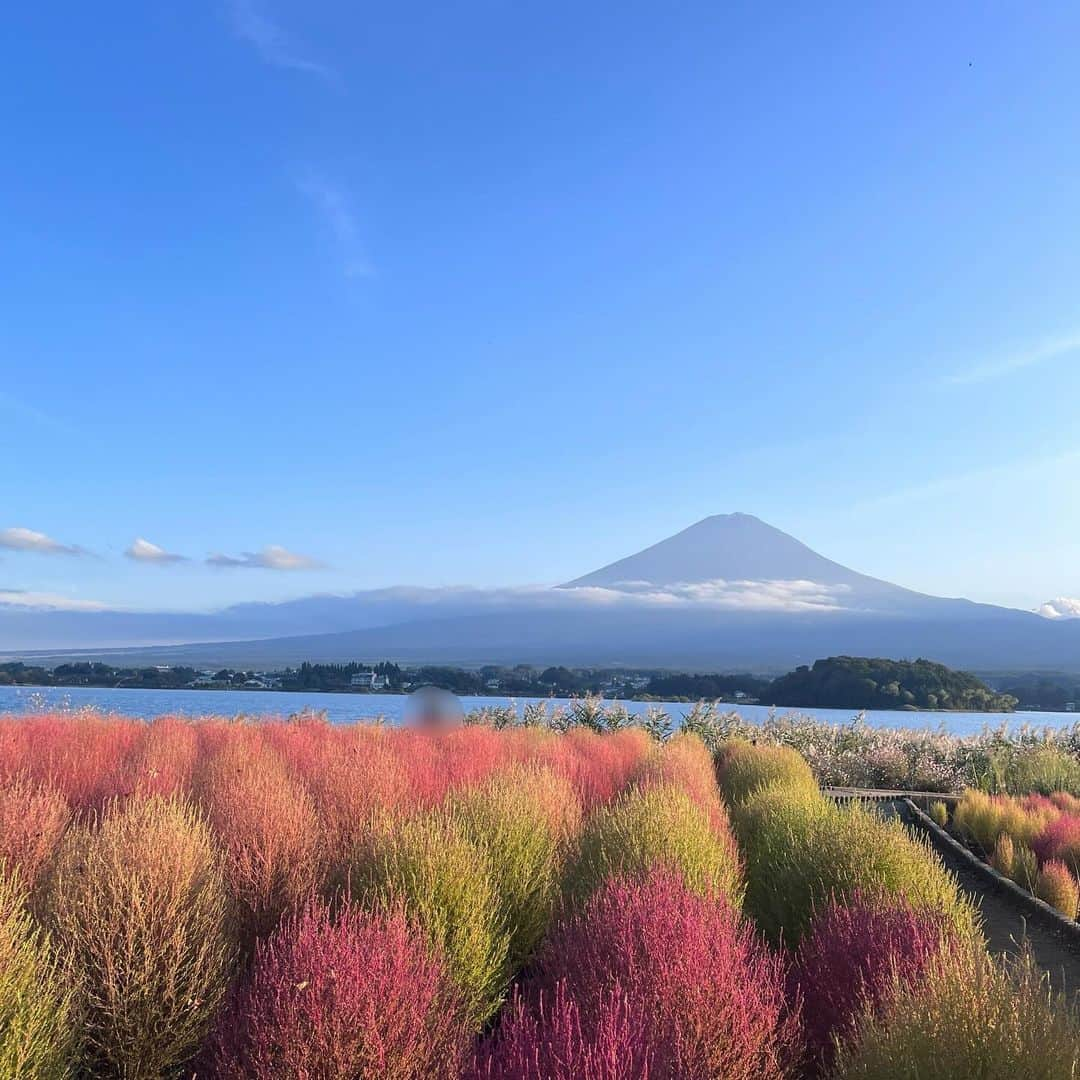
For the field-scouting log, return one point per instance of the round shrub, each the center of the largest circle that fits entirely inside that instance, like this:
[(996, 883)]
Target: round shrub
[(1060, 839), (521, 819), (357, 997), (36, 1025), (1058, 888), (429, 869), (550, 1038), (851, 960), (653, 826), (137, 907), (33, 818), (682, 762), (709, 994), (803, 851), (268, 829), (967, 1017), (744, 768)]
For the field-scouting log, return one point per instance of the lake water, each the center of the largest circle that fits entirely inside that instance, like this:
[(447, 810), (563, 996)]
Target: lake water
[(342, 708)]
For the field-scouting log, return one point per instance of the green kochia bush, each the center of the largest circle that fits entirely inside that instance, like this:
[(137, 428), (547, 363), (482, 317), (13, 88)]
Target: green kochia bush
[(36, 1029), (521, 818), (744, 768), (428, 868), (657, 825), (967, 1017), (802, 850)]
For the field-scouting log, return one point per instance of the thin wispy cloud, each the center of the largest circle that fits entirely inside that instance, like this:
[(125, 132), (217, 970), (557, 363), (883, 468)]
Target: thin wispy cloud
[(272, 557), (275, 45), (19, 539), (145, 552), (1039, 353), (334, 207), (46, 601)]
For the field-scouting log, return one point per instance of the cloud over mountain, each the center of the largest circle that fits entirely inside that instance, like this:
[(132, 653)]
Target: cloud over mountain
[(1064, 607)]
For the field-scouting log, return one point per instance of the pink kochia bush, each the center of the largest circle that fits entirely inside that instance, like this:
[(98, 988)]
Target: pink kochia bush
[(356, 997), (1060, 839), (851, 960), (650, 979)]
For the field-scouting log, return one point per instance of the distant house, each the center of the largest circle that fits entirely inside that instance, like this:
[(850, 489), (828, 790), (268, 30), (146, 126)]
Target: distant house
[(204, 680), (492, 684), (639, 682), (1070, 706), (368, 680)]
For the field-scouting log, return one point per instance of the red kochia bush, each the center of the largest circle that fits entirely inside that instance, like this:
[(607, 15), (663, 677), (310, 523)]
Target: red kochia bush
[(1060, 839), (551, 1039), (33, 818), (850, 960), (706, 996), (356, 998), (87, 757)]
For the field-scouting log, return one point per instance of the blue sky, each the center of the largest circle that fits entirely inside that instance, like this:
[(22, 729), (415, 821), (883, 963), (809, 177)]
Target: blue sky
[(496, 293)]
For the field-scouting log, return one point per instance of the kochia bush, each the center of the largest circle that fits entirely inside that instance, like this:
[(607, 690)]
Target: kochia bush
[(428, 868), (803, 851), (851, 960), (359, 996), (710, 995), (659, 825), (1058, 888), (521, 818), (137, 907), (268, 829), (37, 1036), (744, 768), (33, 817), (964, 1018), (552, 1038)]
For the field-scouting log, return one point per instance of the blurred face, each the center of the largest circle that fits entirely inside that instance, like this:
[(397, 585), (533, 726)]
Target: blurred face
[(432, 709)]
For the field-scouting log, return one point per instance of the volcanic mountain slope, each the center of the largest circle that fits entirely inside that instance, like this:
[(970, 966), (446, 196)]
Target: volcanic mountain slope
[(728, 592)]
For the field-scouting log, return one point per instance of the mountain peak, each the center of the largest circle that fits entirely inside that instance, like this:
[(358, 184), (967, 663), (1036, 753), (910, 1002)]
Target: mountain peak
[(728, 547)]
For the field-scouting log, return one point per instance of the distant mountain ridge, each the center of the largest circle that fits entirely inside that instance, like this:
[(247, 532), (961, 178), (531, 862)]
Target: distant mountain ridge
[(728, 592)]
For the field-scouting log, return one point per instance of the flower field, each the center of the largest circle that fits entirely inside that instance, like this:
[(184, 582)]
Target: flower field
[(304, 901)]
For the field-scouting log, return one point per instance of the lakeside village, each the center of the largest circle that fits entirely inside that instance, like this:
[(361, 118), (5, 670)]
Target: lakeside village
[(523, 680), (834, 682)]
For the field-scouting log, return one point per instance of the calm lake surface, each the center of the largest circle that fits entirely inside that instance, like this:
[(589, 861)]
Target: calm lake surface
[(342, 708)]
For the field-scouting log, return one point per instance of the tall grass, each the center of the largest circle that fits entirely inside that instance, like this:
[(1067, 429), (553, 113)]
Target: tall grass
[(659, 825), (428, 868), (967, 1018), (136, 904), (37, 1028), (357, 996)]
